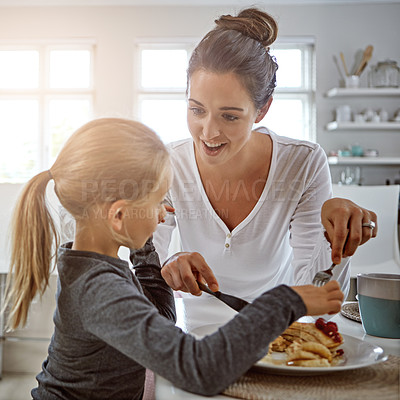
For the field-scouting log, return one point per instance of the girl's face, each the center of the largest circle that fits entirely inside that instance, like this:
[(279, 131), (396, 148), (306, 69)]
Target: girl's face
[(220, 116), (141, 221)]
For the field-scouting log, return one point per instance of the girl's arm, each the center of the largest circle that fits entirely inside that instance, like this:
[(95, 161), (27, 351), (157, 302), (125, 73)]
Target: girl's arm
[(120, 316), (114, 310), (146, 264)]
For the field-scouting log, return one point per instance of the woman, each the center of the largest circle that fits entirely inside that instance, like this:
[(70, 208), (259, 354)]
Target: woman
[(249, 203)]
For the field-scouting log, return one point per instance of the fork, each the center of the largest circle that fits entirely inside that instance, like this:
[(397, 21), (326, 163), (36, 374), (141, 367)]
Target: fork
[(323, 277)]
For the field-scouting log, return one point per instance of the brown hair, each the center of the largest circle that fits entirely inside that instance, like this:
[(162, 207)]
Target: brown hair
[(241, 45), (107, 159)]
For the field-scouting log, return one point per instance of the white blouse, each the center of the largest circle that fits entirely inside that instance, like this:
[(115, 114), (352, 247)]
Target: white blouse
[(280, 241)]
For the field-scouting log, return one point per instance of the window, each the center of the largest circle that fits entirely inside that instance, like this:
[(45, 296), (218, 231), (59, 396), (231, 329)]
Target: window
[(46, 92), (161, 88), (292, 110)]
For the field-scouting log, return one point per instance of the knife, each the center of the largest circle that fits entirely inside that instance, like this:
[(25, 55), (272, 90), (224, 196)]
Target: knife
[(234, 302)]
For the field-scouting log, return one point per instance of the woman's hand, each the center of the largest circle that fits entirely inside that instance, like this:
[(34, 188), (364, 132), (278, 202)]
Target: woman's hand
[(166, 209), (183, 269), (326, 299), (343, 220)]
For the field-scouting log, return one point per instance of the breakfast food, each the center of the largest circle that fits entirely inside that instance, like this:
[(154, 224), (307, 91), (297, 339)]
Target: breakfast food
[(309, 344), (308, 351), (321, 331), (311, 354)]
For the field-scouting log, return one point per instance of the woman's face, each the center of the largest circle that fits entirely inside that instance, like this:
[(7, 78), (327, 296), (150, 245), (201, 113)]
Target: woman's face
[(220, 116)]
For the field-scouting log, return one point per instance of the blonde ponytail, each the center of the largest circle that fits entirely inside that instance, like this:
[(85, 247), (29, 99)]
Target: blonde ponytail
[(34, 241), (103, 161)]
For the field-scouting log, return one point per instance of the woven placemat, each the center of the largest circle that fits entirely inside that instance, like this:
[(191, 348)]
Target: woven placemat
[(380, 381), (351, 311)]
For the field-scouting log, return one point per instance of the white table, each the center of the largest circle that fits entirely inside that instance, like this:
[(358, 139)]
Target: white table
[(192, 316)]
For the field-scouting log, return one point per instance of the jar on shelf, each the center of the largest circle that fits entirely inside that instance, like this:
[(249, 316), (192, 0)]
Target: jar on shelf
[(385, 74)]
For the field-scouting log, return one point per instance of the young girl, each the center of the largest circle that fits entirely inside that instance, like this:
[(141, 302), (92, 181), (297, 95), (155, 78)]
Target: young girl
[(110, 324)]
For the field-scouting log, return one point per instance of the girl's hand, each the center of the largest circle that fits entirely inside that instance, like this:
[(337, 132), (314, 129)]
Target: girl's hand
[(342, 220), (326, 299), (183, 269)]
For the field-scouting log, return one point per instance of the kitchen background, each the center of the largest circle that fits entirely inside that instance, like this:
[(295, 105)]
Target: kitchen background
[(333, 26), (116, 27)]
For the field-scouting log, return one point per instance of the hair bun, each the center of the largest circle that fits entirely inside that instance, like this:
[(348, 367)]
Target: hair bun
[(253, 23)]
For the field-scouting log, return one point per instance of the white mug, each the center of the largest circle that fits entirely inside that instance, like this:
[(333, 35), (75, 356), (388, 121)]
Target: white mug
[(352, 81), (376, 118), (343, 113), (384, 116), (359, 118)]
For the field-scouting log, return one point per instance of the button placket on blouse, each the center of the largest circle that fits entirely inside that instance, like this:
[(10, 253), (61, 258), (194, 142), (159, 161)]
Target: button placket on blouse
[(228, 242)]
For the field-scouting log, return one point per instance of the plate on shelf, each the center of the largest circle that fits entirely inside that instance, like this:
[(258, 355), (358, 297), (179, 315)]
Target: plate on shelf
[(357, 354)]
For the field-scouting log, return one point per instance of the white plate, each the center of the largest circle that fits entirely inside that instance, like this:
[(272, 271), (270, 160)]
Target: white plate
[(357, 354)]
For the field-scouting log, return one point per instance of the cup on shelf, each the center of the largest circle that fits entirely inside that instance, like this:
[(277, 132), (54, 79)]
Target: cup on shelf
[(383, 115), (344, 153), (359, 118), (350, 176), (352, 81), (343, 113), (396, 117), (368, 114), (371, 153), (357, 150), (376, 118)]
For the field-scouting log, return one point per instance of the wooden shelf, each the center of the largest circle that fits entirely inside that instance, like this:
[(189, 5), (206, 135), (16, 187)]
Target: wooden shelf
[(370, 126), (344, 92), (364, 160)]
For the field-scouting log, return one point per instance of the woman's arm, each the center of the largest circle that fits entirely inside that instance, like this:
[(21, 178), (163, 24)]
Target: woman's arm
[(311, 251), (324, 229), (162, 235)]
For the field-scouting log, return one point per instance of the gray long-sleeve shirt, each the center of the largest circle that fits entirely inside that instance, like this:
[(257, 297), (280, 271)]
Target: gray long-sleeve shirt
[(110, 325)]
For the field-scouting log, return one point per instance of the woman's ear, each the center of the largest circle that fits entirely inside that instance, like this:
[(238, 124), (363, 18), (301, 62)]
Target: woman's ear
[(263, 111), (116, 214)]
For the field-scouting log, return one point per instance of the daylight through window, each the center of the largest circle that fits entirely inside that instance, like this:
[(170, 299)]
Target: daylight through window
[(46, 92), (161, 88)]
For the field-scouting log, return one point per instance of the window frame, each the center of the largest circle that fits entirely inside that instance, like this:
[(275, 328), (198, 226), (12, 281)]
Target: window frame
[(141, 93), (44, 93), (306, 93)]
